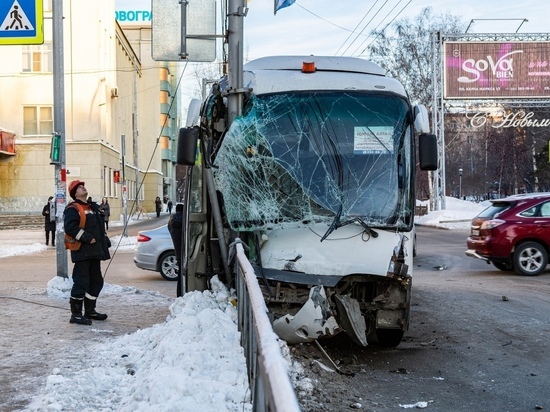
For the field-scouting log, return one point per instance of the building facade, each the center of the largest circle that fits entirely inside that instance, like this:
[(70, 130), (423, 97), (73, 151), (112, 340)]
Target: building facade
[(120, 110)]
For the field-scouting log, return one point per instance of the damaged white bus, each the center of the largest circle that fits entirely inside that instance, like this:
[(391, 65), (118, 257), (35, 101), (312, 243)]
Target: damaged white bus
[(316, 178)]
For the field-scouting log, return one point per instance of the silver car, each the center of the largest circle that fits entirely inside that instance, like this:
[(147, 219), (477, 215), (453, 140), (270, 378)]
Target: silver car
[(155, 251)]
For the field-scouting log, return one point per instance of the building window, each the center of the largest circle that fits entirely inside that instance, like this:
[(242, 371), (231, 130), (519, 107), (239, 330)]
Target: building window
[(38, 58), (37, 120), (106, 181), (110, 188)]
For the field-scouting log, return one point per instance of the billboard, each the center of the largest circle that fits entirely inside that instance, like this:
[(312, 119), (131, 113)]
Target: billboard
[(496, 70)]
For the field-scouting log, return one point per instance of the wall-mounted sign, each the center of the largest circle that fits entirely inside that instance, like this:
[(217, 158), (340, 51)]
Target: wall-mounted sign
[(134, 17)]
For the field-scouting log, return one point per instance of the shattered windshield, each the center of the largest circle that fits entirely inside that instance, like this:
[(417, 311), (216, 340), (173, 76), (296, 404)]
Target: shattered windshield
[(303, 157)]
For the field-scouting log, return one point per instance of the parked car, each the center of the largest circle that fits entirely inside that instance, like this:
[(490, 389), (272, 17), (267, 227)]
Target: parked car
[(155, 251), (513, 233)]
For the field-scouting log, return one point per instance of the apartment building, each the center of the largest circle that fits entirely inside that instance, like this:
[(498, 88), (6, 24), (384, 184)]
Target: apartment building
[(120, 108)]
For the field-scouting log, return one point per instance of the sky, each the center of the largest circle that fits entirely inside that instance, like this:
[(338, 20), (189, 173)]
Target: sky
[(327, 27), (334, 28), (322, 27), (204, 370)]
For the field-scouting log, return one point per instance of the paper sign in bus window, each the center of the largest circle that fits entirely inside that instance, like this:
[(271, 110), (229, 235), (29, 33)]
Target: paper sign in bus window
[(373, 140)]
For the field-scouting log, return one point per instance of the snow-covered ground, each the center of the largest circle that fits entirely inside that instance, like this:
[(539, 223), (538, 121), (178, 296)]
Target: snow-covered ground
[(456, 216), (192, 361)]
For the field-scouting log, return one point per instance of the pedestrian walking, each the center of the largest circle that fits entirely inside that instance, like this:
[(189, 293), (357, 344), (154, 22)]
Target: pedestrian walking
[(105, 209), (169, 206), (175, 224), (158, 206), (49, 224), (89, 245)]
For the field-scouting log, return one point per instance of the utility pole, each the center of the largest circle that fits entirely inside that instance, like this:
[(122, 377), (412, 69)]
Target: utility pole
[(59, 130), (135, 141), (236, 11), (124, 186)]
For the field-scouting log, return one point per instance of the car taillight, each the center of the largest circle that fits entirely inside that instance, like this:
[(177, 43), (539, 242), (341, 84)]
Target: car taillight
[(491, 224), (143, 238)]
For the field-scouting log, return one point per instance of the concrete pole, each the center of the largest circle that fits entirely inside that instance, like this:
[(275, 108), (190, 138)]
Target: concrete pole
[(135, 140), (124, 186), (235, 24), (59, 128), (235, 17)]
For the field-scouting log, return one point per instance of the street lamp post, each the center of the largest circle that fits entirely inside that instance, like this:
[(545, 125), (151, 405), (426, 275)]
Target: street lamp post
[(460, 183)]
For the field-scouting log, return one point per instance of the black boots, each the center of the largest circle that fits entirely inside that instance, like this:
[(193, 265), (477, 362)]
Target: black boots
[(89, 310), (76, 313)]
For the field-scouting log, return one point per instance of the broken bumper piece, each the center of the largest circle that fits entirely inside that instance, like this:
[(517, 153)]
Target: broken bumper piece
[(314, 320)]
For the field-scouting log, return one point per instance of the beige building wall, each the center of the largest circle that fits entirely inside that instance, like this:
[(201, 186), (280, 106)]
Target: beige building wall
[(143, 151), (109, 92), (24, 176), (139, 39), (151, 184)]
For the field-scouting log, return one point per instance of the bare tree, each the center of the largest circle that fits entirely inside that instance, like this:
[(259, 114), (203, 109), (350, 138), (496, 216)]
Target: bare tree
[(495, 161), (404, 49), (201, 73), (541, 178)]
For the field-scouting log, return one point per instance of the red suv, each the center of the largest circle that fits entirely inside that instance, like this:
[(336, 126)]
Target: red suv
[(513, 233)]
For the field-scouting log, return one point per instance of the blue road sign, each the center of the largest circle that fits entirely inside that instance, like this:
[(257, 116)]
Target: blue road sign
[(21, 22)]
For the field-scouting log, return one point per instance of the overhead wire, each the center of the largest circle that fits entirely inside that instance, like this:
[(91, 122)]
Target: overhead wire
[(354, 31), (322, 18), (364, 28), (76, 72), (385, 27), (132, 210), (356, 27)]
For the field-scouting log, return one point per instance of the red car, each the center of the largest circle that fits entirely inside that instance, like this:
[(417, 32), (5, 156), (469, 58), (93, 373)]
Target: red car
[(513, 233)]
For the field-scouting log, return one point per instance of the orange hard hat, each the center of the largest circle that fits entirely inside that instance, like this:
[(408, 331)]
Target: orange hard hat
[(73, 186)]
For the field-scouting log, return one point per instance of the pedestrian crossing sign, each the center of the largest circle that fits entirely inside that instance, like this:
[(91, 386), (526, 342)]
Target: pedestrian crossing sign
[(21, 22)]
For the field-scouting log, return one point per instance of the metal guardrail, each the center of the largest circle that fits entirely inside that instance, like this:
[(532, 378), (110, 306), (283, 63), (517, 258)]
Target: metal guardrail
[(267, 369)]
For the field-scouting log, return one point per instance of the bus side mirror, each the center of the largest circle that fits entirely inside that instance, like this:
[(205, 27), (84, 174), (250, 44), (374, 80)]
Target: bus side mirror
[(187, 146), (427, 151), (421, 122)]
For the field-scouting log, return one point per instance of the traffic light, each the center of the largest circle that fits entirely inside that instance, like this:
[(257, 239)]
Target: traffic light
[(116, 176), (55, 150)]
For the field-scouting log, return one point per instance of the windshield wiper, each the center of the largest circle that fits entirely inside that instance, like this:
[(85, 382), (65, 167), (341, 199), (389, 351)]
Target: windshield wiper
[(335, 223), (367, 228)]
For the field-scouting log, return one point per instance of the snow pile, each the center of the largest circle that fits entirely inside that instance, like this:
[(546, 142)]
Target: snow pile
[(191, 362)]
